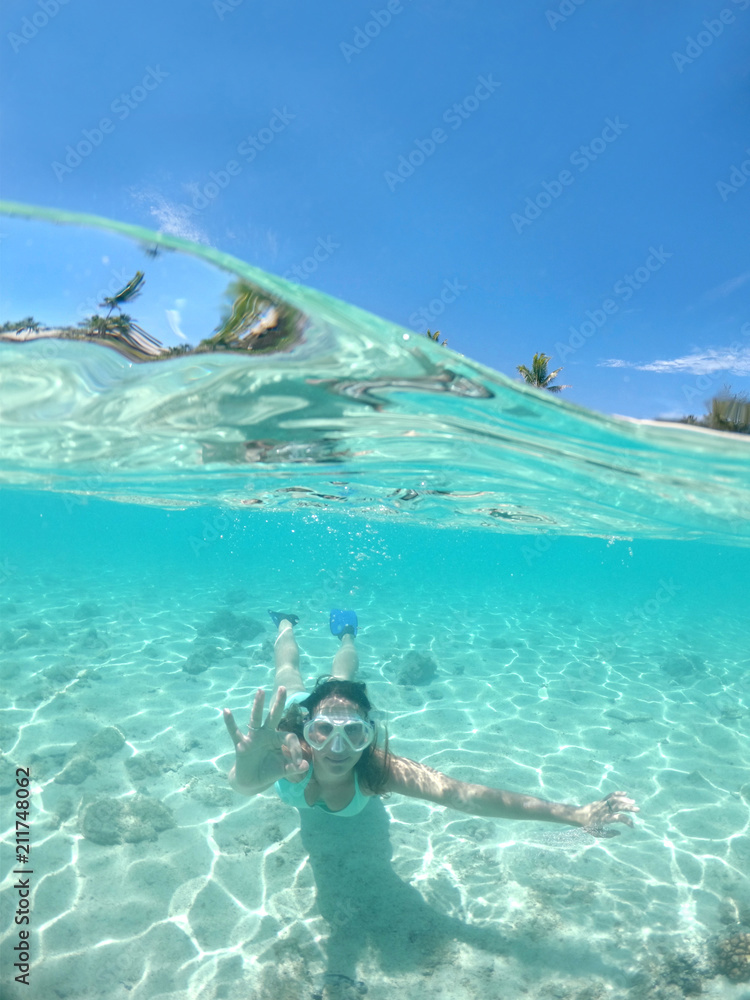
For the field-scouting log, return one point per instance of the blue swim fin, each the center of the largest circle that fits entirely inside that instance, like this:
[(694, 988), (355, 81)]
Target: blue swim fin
[(343, 622)]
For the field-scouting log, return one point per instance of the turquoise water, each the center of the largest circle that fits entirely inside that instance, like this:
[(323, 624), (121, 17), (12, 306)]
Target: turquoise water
[(579, 584)]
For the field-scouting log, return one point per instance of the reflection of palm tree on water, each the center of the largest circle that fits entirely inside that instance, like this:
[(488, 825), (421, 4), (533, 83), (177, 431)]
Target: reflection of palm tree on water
[(252, 322), (122, 326), (27, 323)]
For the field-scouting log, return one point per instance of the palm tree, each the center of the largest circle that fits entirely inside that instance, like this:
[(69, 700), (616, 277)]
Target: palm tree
[(27, 323), (727, 411), (122, 326), (252, 321), (131, 291), (436, 337), (538, 376), (730, 411)]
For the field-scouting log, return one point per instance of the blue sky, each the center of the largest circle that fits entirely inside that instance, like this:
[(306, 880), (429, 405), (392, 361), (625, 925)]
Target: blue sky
[(563, 177)]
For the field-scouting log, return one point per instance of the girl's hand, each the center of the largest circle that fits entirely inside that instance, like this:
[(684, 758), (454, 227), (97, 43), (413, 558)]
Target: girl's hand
[(613, 809), (263, 754)]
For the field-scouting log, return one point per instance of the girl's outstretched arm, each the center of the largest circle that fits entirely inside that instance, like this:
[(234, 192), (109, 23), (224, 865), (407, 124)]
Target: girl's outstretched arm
[(422, 782)]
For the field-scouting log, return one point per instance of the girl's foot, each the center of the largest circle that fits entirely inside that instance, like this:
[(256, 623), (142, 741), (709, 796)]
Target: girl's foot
[(281, 616), (343, 623)]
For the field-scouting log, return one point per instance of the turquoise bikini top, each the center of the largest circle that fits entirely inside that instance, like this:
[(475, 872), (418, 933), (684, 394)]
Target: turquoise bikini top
[(294, 795)]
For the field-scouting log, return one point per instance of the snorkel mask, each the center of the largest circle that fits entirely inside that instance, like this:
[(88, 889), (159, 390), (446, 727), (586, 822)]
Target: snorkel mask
[(339, 732)]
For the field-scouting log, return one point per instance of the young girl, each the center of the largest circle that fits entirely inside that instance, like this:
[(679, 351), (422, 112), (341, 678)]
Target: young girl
[(323, 752)]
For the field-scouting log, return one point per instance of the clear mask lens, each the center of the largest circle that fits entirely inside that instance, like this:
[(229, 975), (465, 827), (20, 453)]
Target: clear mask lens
[(353, 733)]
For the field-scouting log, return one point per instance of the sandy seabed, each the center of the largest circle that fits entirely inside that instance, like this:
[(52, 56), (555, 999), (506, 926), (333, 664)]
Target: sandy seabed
[(208, 895)]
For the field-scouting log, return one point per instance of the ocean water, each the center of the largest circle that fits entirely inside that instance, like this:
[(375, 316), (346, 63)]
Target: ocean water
[(574, 588)]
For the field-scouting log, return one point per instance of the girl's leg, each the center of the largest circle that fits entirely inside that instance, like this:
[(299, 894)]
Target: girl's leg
[(286, 657), (346, 661)]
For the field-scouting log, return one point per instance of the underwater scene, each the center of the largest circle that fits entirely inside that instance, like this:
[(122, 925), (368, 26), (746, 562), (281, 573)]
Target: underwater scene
[(550, 601)]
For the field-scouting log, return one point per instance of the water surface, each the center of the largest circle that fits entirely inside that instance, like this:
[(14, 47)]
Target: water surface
[(575, 584)]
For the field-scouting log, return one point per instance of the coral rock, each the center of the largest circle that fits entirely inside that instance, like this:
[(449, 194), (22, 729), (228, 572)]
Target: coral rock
[(236, 628), (682, 665), (87, 610), (202, 657), (125, 821), (417, 669), (733, 957), (102, 744), (76, 771), (146, 765)]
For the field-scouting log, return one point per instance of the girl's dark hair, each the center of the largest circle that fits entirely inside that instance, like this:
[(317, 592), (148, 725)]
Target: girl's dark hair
[(374, 766)]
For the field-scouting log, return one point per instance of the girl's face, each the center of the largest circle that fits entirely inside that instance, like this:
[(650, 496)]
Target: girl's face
[(337, 757)]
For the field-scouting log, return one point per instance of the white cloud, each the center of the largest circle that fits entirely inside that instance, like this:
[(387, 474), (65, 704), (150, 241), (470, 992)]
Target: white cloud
[(171, 217), (671, 415), (273, 243), (175, 220), (721, 291), (733, 361), (173, 318)]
